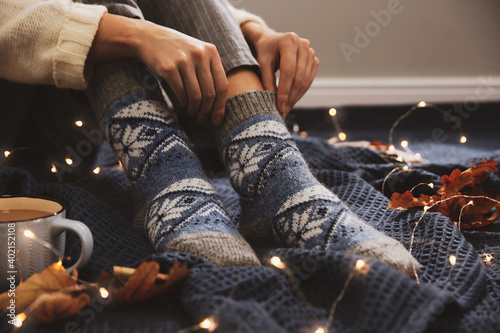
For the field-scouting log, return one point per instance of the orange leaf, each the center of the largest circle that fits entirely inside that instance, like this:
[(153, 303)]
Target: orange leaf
[(404, 201), (144, 282), (481, 171), (51, 279), (455, 181), (58, 305)]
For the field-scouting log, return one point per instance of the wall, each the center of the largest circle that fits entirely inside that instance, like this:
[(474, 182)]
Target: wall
[(439, 50)]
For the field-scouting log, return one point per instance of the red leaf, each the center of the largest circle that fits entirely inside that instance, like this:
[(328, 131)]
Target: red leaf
[(403, 201), (481, 171), (455, 181)]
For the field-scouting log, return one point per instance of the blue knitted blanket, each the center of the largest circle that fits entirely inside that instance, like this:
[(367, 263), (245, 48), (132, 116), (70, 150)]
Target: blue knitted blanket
[(460, 298)]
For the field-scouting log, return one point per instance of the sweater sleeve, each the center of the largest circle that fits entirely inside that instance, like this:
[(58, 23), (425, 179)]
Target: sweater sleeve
[(46, 42), (241, 16)]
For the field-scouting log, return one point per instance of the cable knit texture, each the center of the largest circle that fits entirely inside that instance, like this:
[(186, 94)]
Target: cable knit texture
[(47, 42)]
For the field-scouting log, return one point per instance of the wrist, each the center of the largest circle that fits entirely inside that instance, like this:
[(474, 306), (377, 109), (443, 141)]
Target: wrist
[(117, 37), (253, 31)]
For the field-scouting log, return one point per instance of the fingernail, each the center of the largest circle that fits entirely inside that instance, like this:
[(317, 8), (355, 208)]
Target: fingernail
[(218, 121), (283, 108)]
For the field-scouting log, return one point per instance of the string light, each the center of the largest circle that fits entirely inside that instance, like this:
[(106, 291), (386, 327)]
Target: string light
[(400, 159), (303, 134), (19, 319), (276, 262), (418, 157), (59, 264), (208, 324), (404, 144), (53, 169), (104, 293), (453, 260), (97, 170), (320, 330), (79, 123), (29, 234), (6, 153), (332, 112), (69, 161), (296, 128), (361, 267), (488, 258), (392, 148), (422, 104), (342, 136), (406, 168), (463, 139)]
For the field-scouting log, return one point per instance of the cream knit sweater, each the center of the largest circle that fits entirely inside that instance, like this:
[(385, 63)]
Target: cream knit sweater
[(47, 41)]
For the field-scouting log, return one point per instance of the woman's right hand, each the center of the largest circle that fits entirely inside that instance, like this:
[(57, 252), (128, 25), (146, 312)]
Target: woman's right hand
[(191, 67)]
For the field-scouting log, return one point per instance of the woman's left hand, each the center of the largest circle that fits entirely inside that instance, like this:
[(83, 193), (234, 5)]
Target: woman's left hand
[(289, 53)]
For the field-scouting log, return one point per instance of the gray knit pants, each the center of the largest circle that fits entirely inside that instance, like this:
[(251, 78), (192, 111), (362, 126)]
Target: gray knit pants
[(206, 20)]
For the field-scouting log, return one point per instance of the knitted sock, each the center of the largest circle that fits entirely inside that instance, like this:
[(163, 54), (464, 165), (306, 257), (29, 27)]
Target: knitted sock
[(282, 202), (182, 212)]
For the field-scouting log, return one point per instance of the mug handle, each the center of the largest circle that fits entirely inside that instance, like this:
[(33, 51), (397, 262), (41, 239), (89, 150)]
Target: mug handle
[(85, 235)]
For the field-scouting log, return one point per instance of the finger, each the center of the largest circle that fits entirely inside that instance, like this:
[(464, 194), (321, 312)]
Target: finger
[(208, 93), (193, 89), (268, 73), (221, 88), (311, 71), (174, 80), (303, 63), (288, 63)]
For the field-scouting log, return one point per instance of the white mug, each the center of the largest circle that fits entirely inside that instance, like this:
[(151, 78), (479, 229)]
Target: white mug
[(32, 231)]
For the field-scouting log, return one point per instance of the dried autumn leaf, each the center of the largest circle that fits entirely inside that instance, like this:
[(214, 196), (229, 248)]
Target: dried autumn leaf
[(456, 181), (481, 171), (51, 279), (403, 201), (460, 198), (144, 282), (59, 305)]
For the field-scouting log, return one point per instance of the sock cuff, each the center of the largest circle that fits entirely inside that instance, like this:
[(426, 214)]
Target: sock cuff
[(120, 82), (240, 108)]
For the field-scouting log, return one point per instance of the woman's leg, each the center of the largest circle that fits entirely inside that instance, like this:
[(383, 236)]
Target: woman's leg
[(182, 212)]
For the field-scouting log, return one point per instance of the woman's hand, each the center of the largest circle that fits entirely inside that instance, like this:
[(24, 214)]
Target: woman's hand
[(191, 67), (287, 52)]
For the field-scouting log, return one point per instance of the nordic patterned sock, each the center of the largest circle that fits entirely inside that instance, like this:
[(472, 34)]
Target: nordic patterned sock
[(282, 202), (182, 212)]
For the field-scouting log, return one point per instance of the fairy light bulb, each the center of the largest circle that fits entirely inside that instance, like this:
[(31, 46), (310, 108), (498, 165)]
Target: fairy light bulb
[(320, 330), (359, 264), (431, 185), (406, 168), (303, 134), (97, 170), (208, 324), (399, 159), (59, 264), (488, 258), (6, 153), (404, 143), (79, 123), (422, 104), (418, 157), (392, 148), (453, 260), (53, 169), (276, 262), (332, 112), (426, 208), (104, 293), (463, 139), (29, 234), (342, 136), (19, 319), (69, 161)]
